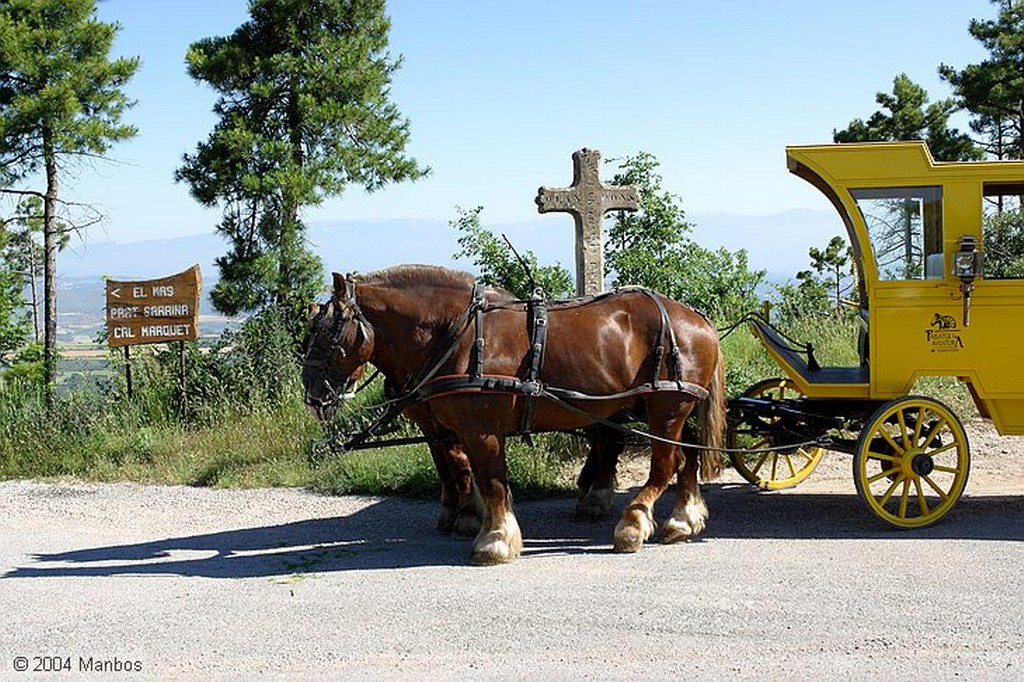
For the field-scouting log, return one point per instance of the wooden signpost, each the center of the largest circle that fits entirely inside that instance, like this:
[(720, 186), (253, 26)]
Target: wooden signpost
[(154, 311)]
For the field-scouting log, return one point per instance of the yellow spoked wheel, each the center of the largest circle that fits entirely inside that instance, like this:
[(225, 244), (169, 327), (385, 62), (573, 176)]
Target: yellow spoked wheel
[(771, 469), (911, 462)]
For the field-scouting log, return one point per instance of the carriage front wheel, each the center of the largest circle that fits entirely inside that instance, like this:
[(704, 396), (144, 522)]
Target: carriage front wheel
[(771, 464), (911, 462)]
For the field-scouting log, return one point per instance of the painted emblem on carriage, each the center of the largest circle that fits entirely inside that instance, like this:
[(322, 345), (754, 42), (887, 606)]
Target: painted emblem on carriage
[(943, 334)]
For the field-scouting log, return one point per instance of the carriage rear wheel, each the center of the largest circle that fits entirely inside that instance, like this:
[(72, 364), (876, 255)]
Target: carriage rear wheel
[(766, 467), (911, 462)]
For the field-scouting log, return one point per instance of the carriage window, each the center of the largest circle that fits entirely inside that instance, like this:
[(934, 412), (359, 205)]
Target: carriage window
[(905, 227), (1004, 230)]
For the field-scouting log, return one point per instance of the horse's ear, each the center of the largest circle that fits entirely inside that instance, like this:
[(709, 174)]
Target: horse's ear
[(339, 283), (314, 309)]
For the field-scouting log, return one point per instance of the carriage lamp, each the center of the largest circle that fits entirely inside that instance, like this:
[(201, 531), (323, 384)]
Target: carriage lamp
[(967, 261), (967, 266)]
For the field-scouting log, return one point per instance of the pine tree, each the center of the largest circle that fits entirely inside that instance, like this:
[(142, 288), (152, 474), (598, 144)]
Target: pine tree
[(304, 112), (993, 89), (60, 101), (906, 114)]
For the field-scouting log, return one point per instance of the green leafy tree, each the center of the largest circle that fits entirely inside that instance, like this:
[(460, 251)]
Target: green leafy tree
[(26, 367), (824, 286), (498, 265), (304, 112), (993, 89), (60, 102), (14, 323), (834, 264), (907, 115), (1004, 244), (652, 247), (24, 251), (806, 296)]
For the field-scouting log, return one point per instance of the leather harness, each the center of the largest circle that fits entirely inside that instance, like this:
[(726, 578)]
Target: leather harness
[(530, 385), (426, 385)]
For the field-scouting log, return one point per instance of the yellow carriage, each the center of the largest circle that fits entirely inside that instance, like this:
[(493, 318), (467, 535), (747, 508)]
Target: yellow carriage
[(927, 309)]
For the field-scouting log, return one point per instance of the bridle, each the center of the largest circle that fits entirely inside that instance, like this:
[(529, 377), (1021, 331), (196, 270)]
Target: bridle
[(341, 314)]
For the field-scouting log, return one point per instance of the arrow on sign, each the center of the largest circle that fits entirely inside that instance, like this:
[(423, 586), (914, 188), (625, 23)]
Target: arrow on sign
[(116, 293)]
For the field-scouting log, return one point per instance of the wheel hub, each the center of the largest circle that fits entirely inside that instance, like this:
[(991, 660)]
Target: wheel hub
[(914, 463), (922, 464)]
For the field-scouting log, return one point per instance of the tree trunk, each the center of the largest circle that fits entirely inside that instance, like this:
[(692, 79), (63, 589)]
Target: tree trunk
[(34, 285), (50, 244)]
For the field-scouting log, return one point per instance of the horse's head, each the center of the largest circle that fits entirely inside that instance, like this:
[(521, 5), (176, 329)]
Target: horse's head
[(338, 344)]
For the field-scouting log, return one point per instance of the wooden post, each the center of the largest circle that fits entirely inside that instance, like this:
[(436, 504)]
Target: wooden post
[(128, 370), (182, 380)]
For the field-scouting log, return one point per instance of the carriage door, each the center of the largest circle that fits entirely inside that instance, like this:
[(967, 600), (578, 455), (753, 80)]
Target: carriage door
[(904, 226)]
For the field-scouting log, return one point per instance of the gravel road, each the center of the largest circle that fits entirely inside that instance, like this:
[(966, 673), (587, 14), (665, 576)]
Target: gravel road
[(133, 582)]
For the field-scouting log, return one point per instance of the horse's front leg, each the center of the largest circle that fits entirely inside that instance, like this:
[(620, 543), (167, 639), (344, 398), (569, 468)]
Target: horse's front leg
[(462, 509), (499, 540)]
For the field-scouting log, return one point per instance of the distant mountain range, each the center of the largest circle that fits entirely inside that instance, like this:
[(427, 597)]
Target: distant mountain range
[(777, 243)]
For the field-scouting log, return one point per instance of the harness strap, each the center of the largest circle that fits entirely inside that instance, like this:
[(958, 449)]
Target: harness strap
[(447, 346), (476, 360), (673, 345), (537, 320), (496, 383)]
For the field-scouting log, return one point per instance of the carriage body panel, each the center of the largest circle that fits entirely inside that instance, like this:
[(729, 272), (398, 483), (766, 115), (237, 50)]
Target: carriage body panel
[(908, 218)]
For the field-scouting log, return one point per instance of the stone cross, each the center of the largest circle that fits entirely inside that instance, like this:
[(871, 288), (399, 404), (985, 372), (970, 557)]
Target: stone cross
[(588, 200)]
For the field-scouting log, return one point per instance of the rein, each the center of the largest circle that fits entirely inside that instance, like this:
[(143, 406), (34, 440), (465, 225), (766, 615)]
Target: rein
[(426, 385)]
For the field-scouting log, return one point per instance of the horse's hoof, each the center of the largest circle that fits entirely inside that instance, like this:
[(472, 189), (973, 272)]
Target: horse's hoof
[(492, 555), (627, 540), (678, 531), (466, 526), (495, 550), (635, 527), (687, 525), (596, 504), (446, 520)]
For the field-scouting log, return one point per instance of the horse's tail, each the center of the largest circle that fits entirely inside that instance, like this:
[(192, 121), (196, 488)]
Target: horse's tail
[(711, 423)]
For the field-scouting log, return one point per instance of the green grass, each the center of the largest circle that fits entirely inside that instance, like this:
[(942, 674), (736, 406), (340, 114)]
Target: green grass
[(259, 436)]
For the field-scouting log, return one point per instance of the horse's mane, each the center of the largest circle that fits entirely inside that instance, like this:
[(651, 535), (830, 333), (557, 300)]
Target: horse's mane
[(402, 276)]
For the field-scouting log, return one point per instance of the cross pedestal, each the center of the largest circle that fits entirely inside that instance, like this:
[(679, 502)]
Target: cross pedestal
[(588, 200)]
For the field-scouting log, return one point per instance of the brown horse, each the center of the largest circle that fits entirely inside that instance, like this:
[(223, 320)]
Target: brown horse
[(602, 355), (462, 509)]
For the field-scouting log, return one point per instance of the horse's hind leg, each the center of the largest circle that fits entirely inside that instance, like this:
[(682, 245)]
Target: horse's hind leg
[(596, 483), (690, 513), (666, 415)]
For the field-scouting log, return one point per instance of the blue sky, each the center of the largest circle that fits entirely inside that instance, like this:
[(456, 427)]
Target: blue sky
[(499, 95)]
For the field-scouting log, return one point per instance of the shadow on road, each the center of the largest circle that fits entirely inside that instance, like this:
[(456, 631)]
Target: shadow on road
[(743, 512), (396, 533)]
